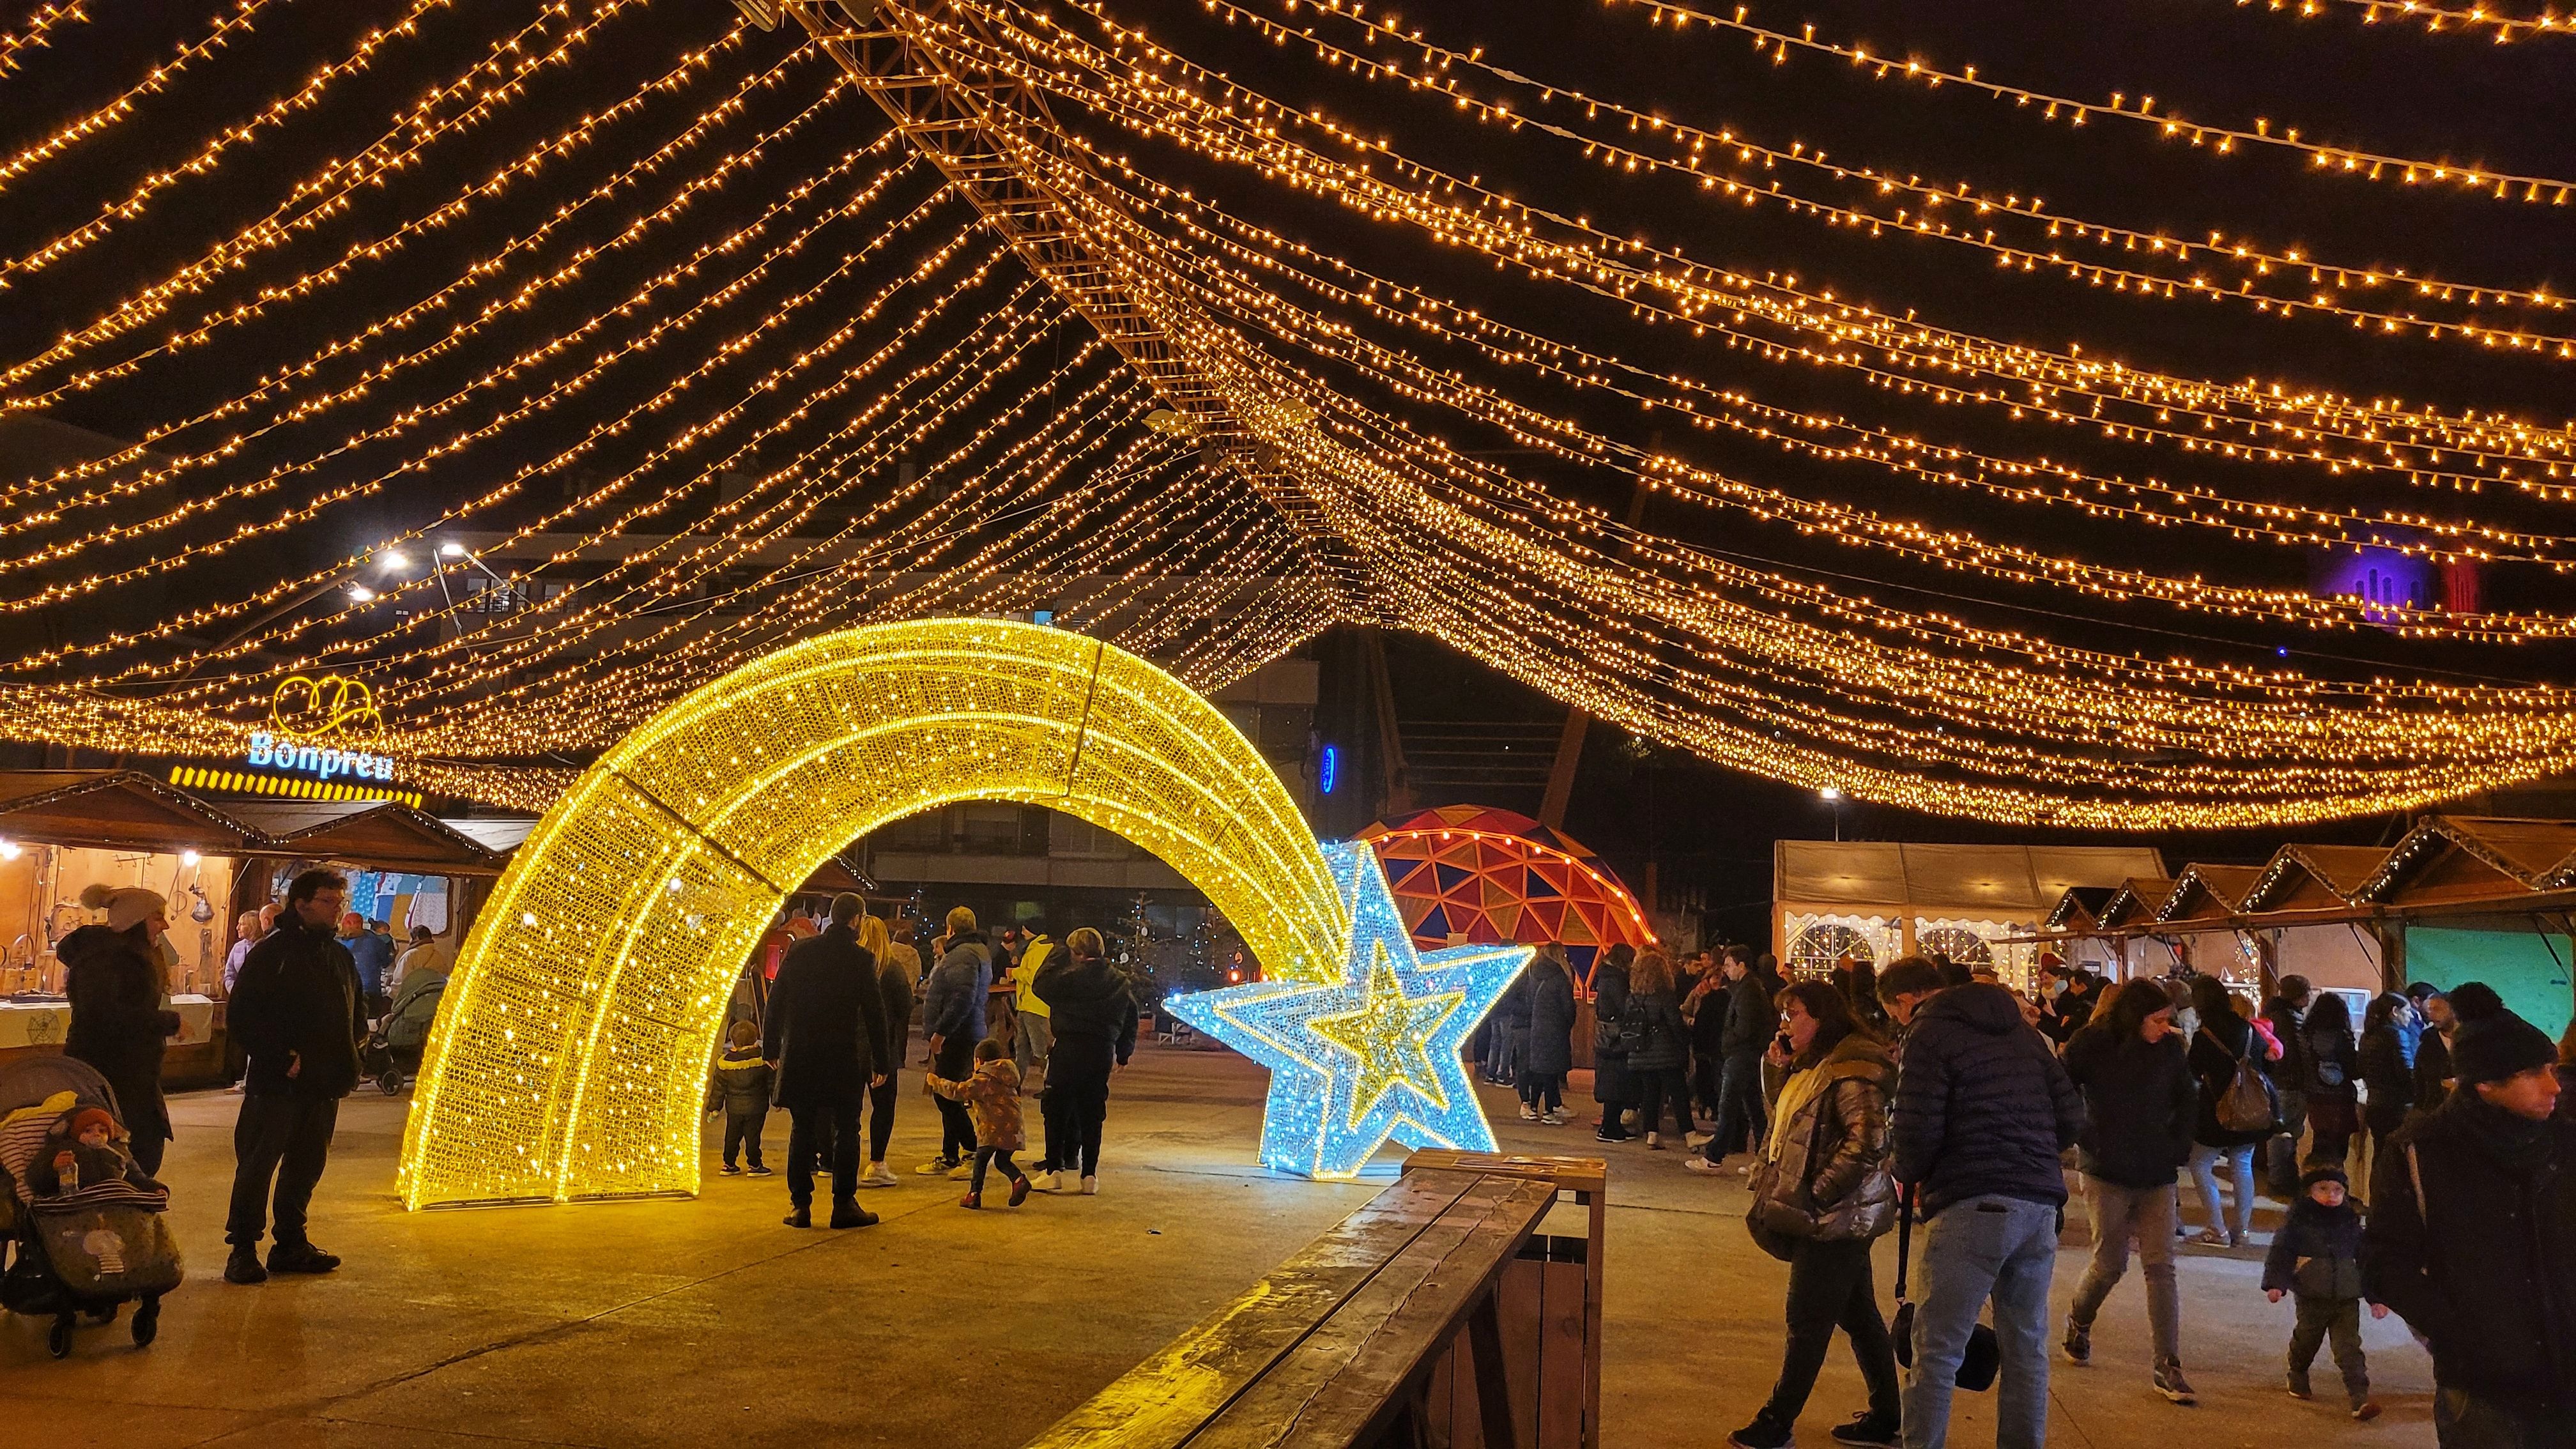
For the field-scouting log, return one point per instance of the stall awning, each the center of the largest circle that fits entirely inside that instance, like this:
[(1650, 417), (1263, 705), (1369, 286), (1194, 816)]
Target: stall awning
[(1999, 882), (380, 834), (115, 810), (499, 834)]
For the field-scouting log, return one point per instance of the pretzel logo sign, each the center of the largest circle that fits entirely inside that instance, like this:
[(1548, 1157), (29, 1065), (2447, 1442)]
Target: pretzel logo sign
[(320, 708)]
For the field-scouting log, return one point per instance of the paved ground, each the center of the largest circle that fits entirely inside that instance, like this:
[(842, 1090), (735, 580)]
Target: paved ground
[(697, 1323)]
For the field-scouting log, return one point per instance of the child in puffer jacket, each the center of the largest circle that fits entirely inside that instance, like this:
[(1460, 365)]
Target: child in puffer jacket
[(2316, 1259), (741, 1087), (992, 1095)]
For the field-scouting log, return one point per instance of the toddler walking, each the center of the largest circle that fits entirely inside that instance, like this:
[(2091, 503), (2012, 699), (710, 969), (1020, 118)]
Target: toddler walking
[(992, 1096), (2316, 1259), (741, 1088)]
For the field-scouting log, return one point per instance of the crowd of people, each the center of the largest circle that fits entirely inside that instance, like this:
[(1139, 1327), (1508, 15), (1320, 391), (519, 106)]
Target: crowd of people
[(1929, 1093), (1000, 1019), (1862, 1102), (314, 989)]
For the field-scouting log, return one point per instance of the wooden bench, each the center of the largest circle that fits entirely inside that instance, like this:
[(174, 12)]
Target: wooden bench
[(1373, 1336)]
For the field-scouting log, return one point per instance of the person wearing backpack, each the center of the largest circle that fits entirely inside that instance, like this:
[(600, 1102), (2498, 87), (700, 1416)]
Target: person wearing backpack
[(2238, 1111)]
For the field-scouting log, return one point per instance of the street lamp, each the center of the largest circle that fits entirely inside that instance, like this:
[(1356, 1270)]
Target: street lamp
[(1832, 795)]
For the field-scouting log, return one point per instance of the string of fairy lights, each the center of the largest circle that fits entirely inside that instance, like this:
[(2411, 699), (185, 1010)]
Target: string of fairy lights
[(734, 378)]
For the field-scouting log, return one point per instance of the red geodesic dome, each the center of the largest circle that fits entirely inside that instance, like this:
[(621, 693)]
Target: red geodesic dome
[(1479, 875)]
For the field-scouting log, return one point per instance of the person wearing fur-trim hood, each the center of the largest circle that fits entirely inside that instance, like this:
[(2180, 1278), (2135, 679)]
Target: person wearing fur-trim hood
[(1821, 1194), (117, 974)]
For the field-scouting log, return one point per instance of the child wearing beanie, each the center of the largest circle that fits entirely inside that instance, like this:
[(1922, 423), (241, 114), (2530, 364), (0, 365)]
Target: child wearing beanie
[(2316, 1259)]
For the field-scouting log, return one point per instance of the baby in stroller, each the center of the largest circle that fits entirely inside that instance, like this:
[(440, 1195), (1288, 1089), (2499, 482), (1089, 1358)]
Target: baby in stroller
[(83, 1223), (83, 1150)]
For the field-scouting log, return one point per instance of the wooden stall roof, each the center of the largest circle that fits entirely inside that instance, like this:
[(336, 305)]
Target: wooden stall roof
[(2314, 877), (835, 876), (115, 810), (2136, 901), (2080, 907), (2458, 858), (381, 834), (2208, 892)]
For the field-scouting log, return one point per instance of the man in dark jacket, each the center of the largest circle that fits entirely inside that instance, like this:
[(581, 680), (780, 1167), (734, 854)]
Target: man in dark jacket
[(298, 1013), (826, 1039), (952, 1017), (2471, 1237), (1095, 1033), (1983, 1110), (1751, 1022), (2071, 993)]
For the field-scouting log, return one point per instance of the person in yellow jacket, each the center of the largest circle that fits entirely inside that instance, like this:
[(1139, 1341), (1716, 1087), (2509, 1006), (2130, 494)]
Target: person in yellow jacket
[(1036, 1036)]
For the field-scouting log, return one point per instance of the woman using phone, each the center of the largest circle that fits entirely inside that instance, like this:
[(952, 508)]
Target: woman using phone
[(1821, 1193)]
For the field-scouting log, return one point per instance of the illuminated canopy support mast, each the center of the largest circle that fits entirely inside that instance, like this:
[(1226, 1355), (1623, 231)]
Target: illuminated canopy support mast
[(571, 1054)]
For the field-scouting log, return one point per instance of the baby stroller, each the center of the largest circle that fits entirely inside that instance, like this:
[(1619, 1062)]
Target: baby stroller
[(389, 1066), (85, 1252)]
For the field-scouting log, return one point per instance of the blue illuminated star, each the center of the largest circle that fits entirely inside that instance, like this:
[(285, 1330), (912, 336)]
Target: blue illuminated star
[(1374, 1055)]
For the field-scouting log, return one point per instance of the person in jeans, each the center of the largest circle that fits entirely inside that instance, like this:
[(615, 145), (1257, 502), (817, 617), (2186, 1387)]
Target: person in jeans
[(297, 1011), (1983, 1109), (2140, 1107), (2220, 1041), (2471, 1238), (1825, 1196)]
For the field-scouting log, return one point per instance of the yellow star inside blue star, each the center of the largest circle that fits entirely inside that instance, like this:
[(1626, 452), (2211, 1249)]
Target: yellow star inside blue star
[(1386, 1036)]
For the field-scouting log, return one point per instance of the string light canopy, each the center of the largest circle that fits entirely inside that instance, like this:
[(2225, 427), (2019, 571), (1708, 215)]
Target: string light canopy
[(1267, 316)]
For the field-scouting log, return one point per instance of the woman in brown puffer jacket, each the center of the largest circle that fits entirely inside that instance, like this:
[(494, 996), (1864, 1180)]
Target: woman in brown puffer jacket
[(1821, 1193)]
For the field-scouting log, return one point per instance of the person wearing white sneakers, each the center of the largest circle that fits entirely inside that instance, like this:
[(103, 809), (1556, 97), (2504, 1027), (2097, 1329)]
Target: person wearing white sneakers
[(1094, 1014), (898, 967)]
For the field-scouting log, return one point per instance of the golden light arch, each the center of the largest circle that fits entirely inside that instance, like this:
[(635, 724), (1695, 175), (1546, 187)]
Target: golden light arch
[(572, 1045)]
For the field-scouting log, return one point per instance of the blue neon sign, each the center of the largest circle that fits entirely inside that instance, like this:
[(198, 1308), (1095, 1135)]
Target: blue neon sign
[(1328, 769)]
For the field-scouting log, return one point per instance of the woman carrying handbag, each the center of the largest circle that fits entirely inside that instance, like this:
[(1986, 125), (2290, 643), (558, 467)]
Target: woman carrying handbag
[(1821, 1193)]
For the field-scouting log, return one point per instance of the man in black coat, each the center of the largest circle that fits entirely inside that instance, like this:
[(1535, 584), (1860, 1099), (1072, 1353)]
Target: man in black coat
[(1751, 1021), (2472, 1239), (297, 1011), (826, 1040)]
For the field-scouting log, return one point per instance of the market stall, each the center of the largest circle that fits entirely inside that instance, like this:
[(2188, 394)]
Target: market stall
[(62, 831)]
